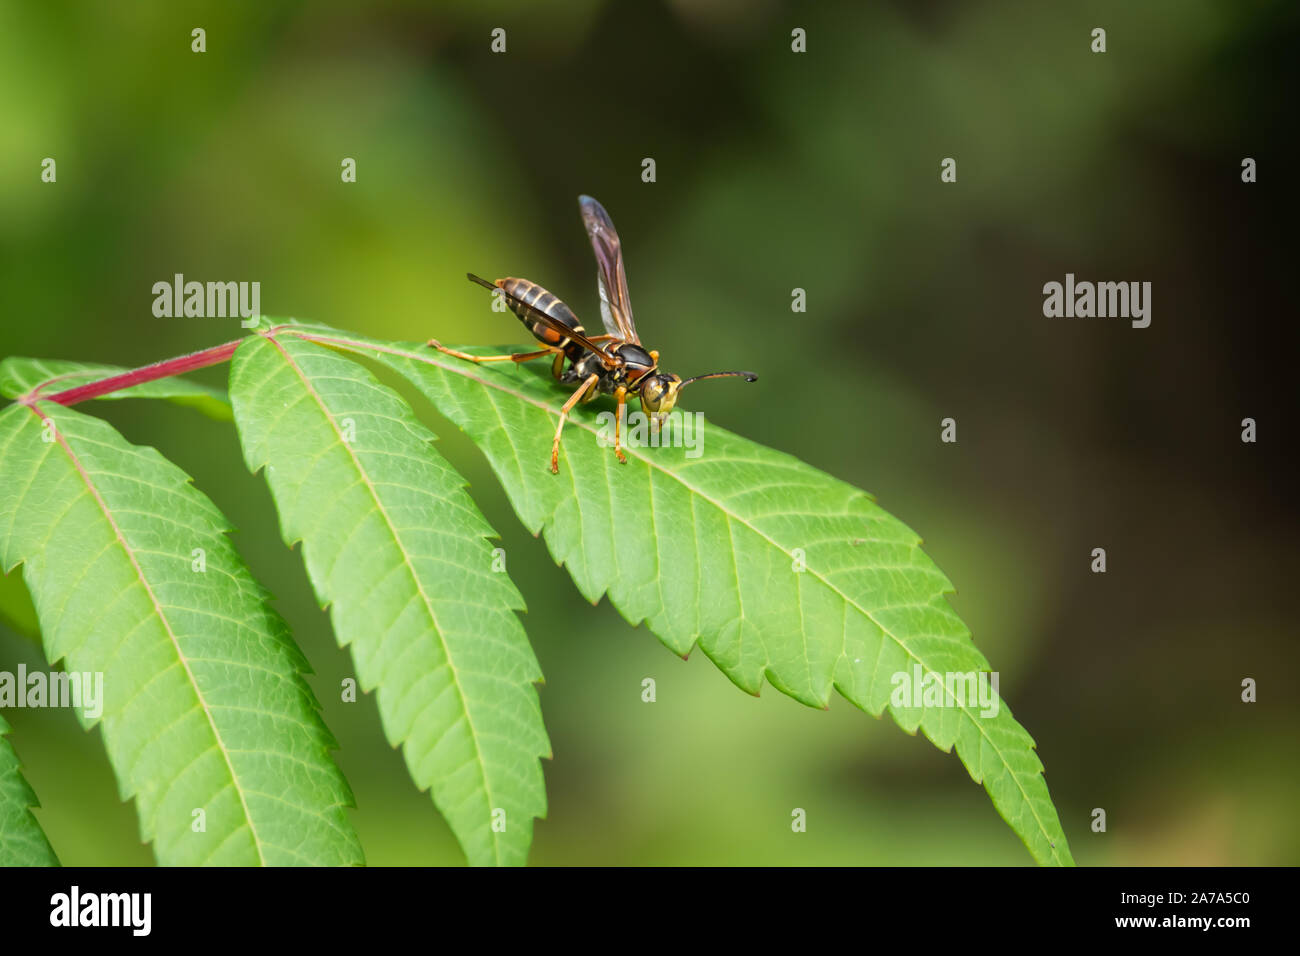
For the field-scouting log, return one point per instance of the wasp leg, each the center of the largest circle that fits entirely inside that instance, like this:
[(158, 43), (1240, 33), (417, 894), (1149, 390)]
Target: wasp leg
[(557, 367), (515, 357), (620, 393), (576, 397)]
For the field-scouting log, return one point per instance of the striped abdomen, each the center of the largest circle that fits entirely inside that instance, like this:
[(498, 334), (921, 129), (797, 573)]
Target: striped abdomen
[(543, 301)]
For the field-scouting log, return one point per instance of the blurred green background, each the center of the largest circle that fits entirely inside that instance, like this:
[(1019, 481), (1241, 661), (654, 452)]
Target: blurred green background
[(775, 171)]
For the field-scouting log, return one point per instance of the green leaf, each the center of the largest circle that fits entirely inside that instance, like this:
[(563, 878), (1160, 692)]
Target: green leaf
[(19, 376), (704, 550), (204, 706), (22, 841), (396, 548)]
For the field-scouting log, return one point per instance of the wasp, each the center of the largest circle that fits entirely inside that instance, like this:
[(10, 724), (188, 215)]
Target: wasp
[(615, 363)]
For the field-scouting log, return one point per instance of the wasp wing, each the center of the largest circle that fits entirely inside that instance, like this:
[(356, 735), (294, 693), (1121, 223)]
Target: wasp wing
[(611, 277)]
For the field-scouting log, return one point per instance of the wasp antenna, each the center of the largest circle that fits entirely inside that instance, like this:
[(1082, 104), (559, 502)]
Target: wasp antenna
[(747, 376), (481, 281)]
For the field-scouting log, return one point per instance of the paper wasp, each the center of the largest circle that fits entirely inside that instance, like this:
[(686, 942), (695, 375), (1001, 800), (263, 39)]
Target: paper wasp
[(611, 364)]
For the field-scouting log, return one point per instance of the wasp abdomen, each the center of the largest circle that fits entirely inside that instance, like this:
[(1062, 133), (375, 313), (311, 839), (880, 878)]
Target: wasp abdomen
[(531, 294)]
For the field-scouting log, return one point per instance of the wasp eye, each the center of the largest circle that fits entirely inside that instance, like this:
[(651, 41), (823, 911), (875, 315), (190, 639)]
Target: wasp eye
[(652, 394)]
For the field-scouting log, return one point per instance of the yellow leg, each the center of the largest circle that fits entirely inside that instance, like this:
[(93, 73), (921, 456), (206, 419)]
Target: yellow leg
[(515, 357), (564, 413), (621, 395)]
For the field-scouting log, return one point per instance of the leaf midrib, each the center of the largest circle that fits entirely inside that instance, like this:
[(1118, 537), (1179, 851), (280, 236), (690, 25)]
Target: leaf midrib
[(639, 454)]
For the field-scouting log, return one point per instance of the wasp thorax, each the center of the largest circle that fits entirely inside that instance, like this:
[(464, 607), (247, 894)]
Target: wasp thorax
[(634, 357)]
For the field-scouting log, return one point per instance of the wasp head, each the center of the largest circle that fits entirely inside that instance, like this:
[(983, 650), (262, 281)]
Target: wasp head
[(659, 394)]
